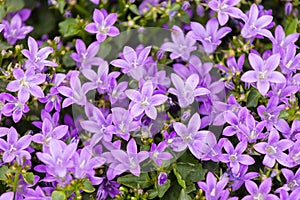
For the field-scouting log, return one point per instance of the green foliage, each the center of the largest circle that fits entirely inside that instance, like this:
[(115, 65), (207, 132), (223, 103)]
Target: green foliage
[(142, 181), (253, 97), (58, 195)]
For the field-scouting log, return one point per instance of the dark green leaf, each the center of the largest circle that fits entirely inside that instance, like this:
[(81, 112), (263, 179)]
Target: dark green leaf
[(88, 187), (61, 6), (68, 27), (14, 5), (252, 99), (190, 172), (185, 17), (184, 196), (4, 45), (67, 60), (143, 181), (173, 192), (58, 195), (2, 12), (152, 193), (162, 189), (134, 9), (29, 178), (180, 180), (292, 26)]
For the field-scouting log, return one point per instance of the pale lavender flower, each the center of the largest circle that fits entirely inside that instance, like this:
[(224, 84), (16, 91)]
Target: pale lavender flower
[(58, 161), (292, 180), (15, 29), (37, 58), (181, 47), (273, 149), (290, 61), (95, 1), (133, 62), (26, 84), (264, 72), (145, 101), (52, 100), (186, 91), (75, 93), (190, 136), (84, 165), (211, 149), (162, 178), (14, 148), (103, 25), (49, 133), (210, 36), (261, 192), (235, 157), (255, 24), (7, 196), (116, 91), (129, 160), (225, 8), (213, 189), (157, 153), (15, 108), (86, 57)]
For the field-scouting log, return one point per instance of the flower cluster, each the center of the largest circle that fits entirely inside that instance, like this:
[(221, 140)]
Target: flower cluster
[(95, 104)]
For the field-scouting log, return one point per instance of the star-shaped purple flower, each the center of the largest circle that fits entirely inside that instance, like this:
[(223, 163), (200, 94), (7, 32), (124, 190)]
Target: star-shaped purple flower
[(103, 25), (261, 192)]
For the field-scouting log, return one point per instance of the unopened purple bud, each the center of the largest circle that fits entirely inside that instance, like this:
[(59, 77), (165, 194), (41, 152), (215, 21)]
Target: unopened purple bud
[(160, 54), (288, 7), (162, 178), (185, 116), (186, 5), (172, 14), (200, 10)]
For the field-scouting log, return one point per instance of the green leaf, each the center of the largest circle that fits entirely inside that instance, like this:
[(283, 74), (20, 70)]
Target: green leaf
[(134, 9), (190, 172), (173, 192), (143, 181), (152, 193), (14, 5), (185, 17), (88, 187), (252, 99), (67, 60), (58, 195), (184, 196), (292, 26), (2, 12), (3, 171), (283, 114), (61, 6), (162, 189), (29, 178), (68, 27), (180, 180)]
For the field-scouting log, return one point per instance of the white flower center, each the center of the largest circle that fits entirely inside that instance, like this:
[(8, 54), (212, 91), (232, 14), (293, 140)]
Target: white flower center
[(271, 149), (262, 75), (259, 196)]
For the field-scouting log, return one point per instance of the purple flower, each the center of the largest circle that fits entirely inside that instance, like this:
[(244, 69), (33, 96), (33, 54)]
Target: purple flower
[(274, 149), (186, 91), (213, 189), (37, 194), (162, 178), (292, 180), (133, 62), (116, 91), (26, 84), (100, 79), (15, 108), (106, 188), (157, 153), (210, 36), (145, 101), (129, 160), (14, 147), (181, 46), (75, 94), (37, 58), (225, 8), (52, 100), (235, 157), (212, 150), (240, 177), (264, 72), (189, 136), (84, 165), (261, 192), (86, 57), (49, 133), (58, 161), (15, 30), (255, 25), (7, 196), (123, 123), (103, 25)]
